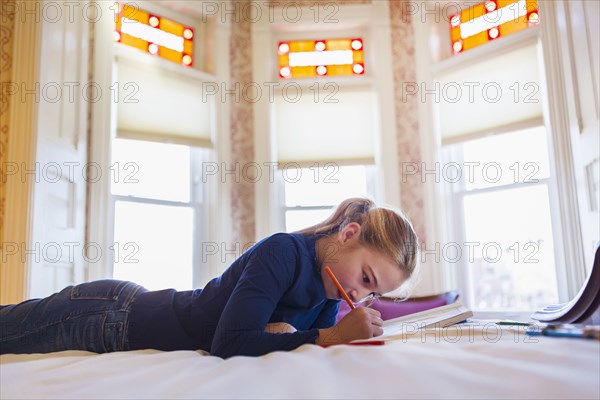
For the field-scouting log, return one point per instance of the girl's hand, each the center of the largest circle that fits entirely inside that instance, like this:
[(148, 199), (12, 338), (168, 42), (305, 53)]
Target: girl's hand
[(280, 327), (360, 323)]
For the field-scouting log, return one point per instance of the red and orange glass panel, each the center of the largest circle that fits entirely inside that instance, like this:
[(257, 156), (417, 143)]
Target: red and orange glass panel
[(490, 20), (314, 58), (154, 34)]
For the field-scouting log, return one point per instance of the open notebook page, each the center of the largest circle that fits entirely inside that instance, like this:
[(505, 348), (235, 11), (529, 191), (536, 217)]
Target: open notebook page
[(438, 317)]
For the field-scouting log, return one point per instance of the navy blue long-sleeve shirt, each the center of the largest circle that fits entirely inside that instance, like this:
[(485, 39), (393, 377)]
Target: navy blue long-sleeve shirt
[(277, 280)]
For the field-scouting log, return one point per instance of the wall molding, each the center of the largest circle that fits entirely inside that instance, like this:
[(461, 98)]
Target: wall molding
[(557, 122), (100, 130)]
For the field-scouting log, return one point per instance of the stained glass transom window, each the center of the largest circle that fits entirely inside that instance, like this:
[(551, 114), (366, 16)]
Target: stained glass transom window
[(314, 58), (154, 34), (490, 20)]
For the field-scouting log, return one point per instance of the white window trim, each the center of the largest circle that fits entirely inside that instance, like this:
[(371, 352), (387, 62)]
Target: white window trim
[(102, 129), (556, 114)]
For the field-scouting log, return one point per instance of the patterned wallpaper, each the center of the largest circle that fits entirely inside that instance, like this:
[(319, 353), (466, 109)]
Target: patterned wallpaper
[(407, 120), (242, 131), (7, 25)]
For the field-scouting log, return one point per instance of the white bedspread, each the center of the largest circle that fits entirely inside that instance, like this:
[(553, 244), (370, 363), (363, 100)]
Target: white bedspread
[(474, 363)]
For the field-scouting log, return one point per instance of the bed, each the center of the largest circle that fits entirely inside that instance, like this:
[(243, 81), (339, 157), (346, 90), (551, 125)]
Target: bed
[(476, 360)]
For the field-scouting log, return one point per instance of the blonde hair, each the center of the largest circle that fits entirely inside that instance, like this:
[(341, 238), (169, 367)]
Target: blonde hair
[(382, 229)]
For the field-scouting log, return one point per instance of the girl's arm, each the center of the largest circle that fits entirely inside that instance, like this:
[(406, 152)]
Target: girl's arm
[(279, 327), (327, 317), (268, 274)]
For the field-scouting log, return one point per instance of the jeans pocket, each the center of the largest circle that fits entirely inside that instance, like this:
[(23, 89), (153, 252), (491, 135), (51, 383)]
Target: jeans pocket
[(113, 336), (107, 289)]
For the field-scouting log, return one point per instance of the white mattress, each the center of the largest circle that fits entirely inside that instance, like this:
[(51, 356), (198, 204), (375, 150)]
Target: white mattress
[(475, 363)]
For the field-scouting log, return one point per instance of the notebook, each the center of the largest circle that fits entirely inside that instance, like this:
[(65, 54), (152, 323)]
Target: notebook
[(582, 307), (439, 317)]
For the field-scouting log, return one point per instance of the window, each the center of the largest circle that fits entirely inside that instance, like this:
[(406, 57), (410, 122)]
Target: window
[(311, 193), (325, 151), (502, 220), (157, 197), (490, 20), (328, 114), (157, 224), (154, 34), (313, 58), (156, 153)]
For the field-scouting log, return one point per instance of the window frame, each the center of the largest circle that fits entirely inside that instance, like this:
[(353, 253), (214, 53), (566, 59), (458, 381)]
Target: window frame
[(197, 202), (456, 192), (370, 182)]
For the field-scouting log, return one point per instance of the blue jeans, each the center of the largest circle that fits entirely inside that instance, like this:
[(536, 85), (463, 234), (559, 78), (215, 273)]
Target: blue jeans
[(92, 316)]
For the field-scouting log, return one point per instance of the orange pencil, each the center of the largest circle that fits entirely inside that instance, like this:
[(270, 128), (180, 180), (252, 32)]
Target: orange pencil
[(340, 288)]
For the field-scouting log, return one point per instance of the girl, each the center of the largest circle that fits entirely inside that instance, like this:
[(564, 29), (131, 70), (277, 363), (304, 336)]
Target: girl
[(275, 296)]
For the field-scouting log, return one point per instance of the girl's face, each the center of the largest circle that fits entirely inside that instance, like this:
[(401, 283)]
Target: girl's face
[(360, 270)]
